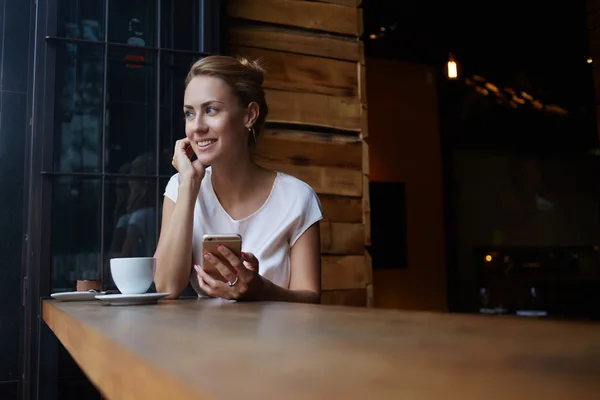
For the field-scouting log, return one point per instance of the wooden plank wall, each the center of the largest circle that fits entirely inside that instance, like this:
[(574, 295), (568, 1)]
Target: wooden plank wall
[(316, 125), (593, 25)]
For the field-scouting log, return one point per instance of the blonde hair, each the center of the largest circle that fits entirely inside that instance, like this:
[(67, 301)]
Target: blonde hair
[(244, 76)]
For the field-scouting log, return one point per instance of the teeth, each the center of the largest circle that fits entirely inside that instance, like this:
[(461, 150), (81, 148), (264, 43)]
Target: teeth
[(206, 142)]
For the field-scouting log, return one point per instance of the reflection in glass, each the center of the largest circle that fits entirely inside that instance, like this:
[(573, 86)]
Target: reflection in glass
[(130, 214), (80, 19), (174, 68), (131, 108), (132, 22), (78, 108), (181, 29), (75, 231)]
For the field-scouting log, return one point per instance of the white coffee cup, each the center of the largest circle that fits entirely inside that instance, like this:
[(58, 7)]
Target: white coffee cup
[(133, 275)]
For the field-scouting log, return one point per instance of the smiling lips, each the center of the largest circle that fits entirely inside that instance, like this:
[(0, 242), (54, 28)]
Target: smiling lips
[(205, 143)]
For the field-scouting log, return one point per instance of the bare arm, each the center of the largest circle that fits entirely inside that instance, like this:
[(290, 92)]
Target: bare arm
[(305, 280), (174, 251)]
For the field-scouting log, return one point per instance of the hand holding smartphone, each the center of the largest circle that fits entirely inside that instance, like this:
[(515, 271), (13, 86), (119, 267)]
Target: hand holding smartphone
[(232, 241)]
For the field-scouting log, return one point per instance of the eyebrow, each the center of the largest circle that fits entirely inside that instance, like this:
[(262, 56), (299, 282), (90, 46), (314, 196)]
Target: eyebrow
[(203, 104)]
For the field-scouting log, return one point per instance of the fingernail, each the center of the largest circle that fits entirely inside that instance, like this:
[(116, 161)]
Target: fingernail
[(196, 267), (220, 247), (207, 256)]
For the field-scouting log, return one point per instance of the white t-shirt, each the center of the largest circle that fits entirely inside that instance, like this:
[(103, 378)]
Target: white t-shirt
[(269, 233)]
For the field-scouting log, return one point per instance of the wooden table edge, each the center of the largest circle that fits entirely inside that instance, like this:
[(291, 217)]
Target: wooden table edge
[(114, 371)]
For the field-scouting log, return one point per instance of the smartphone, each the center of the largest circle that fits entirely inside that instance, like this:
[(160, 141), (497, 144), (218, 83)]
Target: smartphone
[(232, 241)]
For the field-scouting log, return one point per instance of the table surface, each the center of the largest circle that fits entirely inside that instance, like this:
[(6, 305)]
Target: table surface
[(215, 349)]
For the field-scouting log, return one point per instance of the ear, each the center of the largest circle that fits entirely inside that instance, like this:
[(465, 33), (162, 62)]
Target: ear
[(252, 113)]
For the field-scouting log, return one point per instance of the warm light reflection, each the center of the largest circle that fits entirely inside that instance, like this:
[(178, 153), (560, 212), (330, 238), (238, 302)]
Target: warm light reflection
[(527, 96), (481, 90), (518, 100), (488, 258), (382, 29), (589, 60), (372, 36), (492, 87), (452, 70)]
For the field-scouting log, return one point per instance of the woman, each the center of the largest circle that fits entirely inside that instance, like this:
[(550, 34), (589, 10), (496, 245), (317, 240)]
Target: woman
[(223, 191)]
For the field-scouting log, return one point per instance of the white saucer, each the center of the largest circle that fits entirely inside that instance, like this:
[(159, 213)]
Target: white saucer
[(76, 296), (131, 299)]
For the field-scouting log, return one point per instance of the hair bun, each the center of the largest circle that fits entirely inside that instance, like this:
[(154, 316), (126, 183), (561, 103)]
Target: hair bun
[(255, 67)]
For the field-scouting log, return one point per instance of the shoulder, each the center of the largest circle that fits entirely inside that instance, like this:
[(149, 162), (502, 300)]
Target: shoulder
[(296, 193), (294, 186)]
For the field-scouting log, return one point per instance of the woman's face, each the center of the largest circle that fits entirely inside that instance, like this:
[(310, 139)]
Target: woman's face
[(215, 121)]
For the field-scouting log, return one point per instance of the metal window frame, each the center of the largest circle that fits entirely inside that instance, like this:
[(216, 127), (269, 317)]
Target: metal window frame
[(38, 345)]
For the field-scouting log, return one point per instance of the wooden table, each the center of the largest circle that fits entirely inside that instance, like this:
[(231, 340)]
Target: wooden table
[(214, 349)]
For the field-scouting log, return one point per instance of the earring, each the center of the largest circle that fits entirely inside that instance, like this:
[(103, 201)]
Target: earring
[(251, 129)]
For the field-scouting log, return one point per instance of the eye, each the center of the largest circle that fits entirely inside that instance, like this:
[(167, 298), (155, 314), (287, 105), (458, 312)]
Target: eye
[(211, 110), (188, 114)]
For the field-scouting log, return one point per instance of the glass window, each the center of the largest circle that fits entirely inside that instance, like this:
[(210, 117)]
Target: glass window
[(79, 19), (130, 108), (181, 27), (75, 231), (130, 215), (78, 107), (118, 81)]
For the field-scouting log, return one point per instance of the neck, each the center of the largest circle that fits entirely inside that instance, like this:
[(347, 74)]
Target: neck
[(233, 180)]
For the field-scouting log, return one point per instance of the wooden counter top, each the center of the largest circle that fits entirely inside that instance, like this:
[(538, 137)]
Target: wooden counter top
[(214, 349)]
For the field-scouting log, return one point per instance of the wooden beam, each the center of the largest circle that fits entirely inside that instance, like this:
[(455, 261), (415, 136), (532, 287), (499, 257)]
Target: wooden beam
[(316, 44), (302, 73), (323, 180), (366, 210), (341, 208), (302, 14), (362, 83), (348, 3), (344, 272), (348, 298), (303, 148), (342, 113), (364, 121), (365, 158), (342, 238)]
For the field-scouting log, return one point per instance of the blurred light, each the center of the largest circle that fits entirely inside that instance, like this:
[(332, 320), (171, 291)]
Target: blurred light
[(488, 258), (372, 36), (518, 100), (452, 68), (491, 87), (589, 60), (481, 90), (382, 29), (527, 96)]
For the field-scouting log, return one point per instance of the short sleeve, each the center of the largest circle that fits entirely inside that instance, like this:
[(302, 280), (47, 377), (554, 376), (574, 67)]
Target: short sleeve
[(311, 213), (172, 188)]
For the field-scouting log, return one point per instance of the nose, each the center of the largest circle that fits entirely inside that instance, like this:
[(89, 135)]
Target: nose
[(199, 125)]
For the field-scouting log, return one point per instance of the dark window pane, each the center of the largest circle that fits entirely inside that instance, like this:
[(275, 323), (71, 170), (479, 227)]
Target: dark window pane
[(174, 68), (80, 19), (131, 109), (78, 107), (132, 22), (75, 231), (130, 217), (180, 26)]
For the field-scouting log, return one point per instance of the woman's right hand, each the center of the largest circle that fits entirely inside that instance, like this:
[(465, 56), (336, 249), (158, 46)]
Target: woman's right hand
[(192, 172)]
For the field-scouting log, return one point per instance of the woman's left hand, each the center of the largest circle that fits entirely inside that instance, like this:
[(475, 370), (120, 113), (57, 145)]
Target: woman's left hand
[(242, 274)]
